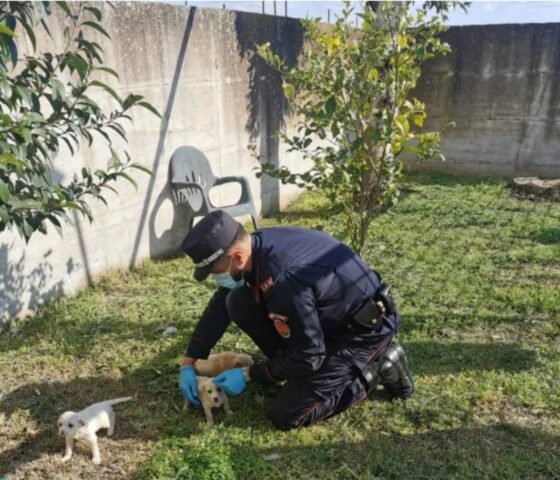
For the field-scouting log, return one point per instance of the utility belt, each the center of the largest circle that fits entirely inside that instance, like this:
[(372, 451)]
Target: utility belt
[(376, 308)]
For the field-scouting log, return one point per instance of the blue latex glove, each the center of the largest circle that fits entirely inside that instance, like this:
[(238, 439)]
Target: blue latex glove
[(188, 385), (231, 381)]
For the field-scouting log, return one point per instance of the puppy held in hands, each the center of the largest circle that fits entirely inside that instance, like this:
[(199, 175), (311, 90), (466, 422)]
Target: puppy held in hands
[(220, 362), (211, 396), (84, 425)]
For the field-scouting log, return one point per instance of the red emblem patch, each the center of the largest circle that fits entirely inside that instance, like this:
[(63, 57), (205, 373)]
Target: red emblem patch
[(280, 324), (266, 285)]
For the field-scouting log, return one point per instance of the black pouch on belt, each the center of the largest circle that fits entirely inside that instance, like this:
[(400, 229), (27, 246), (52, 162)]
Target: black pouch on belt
[(371, 313)]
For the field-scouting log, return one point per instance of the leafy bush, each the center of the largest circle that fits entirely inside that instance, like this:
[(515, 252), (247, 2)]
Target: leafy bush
[(45, 102)]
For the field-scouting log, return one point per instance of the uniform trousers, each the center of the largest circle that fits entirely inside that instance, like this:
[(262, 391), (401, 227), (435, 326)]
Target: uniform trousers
[(339, 382)]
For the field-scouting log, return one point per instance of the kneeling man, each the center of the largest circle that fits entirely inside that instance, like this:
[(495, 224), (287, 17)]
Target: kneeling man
[(321, 316)]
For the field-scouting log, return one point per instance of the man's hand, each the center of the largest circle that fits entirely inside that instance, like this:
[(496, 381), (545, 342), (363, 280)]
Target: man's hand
[(231, 381), (188, 385)]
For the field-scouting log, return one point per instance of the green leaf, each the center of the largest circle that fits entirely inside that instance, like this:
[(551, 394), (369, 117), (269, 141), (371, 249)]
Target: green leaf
[(117, 128), (373, 75), (6, 31), (24, 94), (45, 26), (11, 160), (402, 41), (402, 124), (418, 119), (30, 34), (25, 204), (115, 161), (77, 63), (128, 177), (5, 120), (26, 229), (95, 11), (4, 192), (6, 90), (289, 91), (332, 43), (98, 196), (105, 135), (131, 100), (73, 205), (33, 117), (149, 107), (142, 168), (54, 220), (64, 6), (4, 215), (68, 144), (88, 136), (97, 27), (24, 134), (356, 144), (335, 129), (58, 90), (330, 106), (108, 89), (108, 70), (12, 47)]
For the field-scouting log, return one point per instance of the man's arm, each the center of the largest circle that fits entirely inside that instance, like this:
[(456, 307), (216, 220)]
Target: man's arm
[(187, 361), (293, 305), (209, 329)]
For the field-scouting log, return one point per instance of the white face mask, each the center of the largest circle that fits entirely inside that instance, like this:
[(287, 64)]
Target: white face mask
[(226, 280)]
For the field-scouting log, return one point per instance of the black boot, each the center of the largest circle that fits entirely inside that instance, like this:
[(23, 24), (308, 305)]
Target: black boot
[(390, 369)]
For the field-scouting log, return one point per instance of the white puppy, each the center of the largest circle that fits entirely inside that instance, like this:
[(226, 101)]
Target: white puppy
[(84, 425), (211, 396)]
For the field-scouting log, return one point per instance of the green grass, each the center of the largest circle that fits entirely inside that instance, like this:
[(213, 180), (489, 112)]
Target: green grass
[(476, 274)]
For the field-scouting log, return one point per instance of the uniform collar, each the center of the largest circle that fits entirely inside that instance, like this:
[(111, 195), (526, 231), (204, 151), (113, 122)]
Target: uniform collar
[(255, 257)]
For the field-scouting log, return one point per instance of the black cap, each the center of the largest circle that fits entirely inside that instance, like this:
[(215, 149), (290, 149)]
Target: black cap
[(208, 240)]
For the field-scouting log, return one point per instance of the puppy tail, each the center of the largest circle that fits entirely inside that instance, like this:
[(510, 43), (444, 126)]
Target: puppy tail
[(119, 400)]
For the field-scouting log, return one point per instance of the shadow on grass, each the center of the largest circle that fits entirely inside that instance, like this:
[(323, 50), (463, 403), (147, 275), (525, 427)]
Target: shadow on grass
[(156, 410), (496, 451), (433, 358), (78, 339), (450, 180), (547, 236), (324, 210)]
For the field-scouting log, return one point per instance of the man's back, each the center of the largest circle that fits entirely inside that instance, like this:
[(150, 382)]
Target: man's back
[(339, 279)]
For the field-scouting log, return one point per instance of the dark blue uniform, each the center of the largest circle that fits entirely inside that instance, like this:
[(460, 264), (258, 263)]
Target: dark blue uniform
[(298, 306)]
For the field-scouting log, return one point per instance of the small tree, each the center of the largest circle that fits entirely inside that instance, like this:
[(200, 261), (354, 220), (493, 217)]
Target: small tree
[(355, 114), (45, 102)]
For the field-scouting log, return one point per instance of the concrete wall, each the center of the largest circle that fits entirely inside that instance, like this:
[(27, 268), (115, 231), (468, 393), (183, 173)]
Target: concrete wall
[(501, 85), (194, 66)]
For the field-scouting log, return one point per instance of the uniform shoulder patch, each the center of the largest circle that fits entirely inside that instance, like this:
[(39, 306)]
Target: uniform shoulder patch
[(280, 324)]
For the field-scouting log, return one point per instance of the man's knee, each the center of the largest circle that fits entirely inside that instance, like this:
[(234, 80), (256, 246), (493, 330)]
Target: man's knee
[(281, 418)]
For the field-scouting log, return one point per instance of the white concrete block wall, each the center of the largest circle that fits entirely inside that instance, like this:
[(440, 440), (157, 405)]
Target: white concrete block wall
[(501, 86), (200, 80)]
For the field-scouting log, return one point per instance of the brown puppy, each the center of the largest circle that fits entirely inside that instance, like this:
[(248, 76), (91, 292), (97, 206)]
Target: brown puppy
[(211, 396), (219, 362)]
